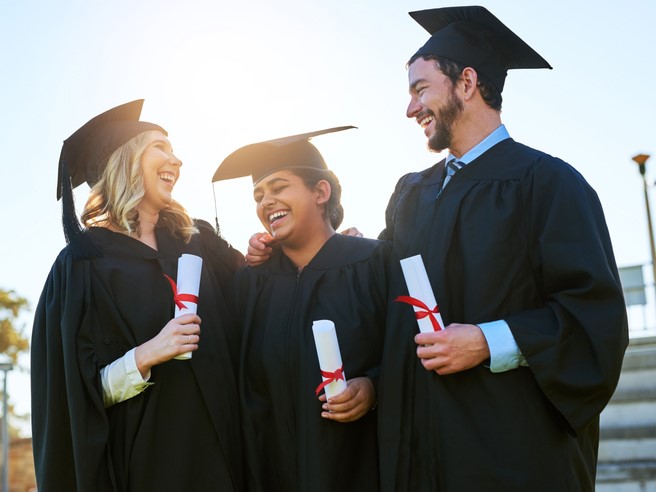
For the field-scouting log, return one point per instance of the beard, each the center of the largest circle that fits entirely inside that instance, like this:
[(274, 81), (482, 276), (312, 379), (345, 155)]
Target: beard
[(446, 117)]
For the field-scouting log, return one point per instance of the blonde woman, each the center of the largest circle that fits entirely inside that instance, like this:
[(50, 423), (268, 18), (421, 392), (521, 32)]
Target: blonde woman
[(112, 407)]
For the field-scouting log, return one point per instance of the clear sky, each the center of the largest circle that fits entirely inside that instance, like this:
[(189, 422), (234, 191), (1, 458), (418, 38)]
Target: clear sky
[(221, 74)]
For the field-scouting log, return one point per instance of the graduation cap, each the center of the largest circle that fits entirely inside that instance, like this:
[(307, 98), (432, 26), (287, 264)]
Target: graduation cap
[(85, 154), (474, 37), (260, 159)]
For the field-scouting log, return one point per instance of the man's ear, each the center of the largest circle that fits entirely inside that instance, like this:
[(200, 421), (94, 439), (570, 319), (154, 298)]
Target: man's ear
[(469, 79)]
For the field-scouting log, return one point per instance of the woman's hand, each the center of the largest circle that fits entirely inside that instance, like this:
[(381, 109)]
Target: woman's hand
[(259, 248), (180, 335), (351, 404)]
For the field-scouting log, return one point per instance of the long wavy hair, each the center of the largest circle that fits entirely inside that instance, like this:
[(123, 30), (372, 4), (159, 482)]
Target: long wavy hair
[(114, 198)]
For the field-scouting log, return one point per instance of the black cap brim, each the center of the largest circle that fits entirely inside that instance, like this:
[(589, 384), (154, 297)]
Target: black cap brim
[(261, 159)]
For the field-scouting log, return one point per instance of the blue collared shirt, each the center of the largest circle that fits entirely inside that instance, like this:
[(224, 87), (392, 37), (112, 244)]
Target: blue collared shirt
[(504, 352), (483, 146)]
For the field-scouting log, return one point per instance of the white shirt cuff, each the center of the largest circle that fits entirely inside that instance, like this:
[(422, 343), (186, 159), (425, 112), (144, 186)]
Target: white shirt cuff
[(121, 380), (504, 352)]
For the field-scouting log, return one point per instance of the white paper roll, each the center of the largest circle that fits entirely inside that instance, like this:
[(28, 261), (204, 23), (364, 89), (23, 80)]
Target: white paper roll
[(330, 358), (189, 268), (419, 287)]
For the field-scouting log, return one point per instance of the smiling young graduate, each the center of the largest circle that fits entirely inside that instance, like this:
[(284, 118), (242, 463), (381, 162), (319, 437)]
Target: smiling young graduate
[(294, 440), (111, 408), (508, 396)]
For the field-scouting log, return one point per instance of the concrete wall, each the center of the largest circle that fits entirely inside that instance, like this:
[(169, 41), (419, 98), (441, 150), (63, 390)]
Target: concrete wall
[(627, 450)]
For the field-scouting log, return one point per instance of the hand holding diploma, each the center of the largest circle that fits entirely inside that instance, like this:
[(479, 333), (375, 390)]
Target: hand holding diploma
[(355, 401), (180, 335), (421, 296), (330, 358), (179, 338), (343, 401), (185, 293), (459, 348)]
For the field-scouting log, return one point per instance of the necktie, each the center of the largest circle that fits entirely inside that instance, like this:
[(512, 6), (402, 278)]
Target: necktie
[(450, 169)]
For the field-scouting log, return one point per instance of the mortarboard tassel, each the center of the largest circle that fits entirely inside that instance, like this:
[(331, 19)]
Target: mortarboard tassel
[(78, 241)]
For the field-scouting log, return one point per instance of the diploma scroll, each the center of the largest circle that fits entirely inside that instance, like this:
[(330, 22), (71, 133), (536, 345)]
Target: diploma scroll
[(330, 358), (186, 296), (421, 296)]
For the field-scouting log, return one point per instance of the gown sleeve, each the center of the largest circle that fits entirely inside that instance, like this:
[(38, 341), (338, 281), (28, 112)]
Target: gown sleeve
[(387, 234), (69, 424), (379, 280), (224, 257), (224, 262), (575, 342)]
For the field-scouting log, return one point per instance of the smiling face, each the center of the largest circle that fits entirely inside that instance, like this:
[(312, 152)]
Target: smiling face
[(434, 103), (291, 211), (161, 170)]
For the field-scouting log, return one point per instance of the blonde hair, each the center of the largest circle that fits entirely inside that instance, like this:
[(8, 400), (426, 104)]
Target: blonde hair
[(114, 198)]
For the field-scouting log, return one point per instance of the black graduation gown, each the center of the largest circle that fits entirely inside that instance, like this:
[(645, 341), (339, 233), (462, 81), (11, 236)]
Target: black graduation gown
[(182, 433), (516, 235), (288, 445)]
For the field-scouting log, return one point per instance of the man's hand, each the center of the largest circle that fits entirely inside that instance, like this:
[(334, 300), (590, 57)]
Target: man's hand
[(259, 248), (455, 349), (351, 231)]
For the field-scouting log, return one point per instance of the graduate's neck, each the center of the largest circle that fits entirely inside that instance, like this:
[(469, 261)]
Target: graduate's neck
[(476, 123), (147, 223), (147, 220), (302, 252)]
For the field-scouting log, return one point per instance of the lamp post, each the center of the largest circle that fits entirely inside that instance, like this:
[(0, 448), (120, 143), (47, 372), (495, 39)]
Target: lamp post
[(5, 367), (641, 160)]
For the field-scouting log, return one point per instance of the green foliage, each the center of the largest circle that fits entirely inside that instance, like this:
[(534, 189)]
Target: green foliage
[(12, 343), (12, 339)]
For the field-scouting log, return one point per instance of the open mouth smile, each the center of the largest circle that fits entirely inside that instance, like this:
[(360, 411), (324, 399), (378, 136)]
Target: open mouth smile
[(276, 216), (167, 177), (424, 121)]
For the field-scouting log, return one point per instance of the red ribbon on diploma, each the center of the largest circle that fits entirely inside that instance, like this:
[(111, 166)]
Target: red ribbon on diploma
[(422, 314), (177, 297), (332, 376)]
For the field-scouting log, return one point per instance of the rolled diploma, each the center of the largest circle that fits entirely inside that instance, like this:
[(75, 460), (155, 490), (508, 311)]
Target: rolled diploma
[(189, 268), (419, 287), (330, 358)]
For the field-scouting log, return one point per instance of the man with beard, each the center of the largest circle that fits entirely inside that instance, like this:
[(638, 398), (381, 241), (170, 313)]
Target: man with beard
[(518, 254), (515, 244)]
